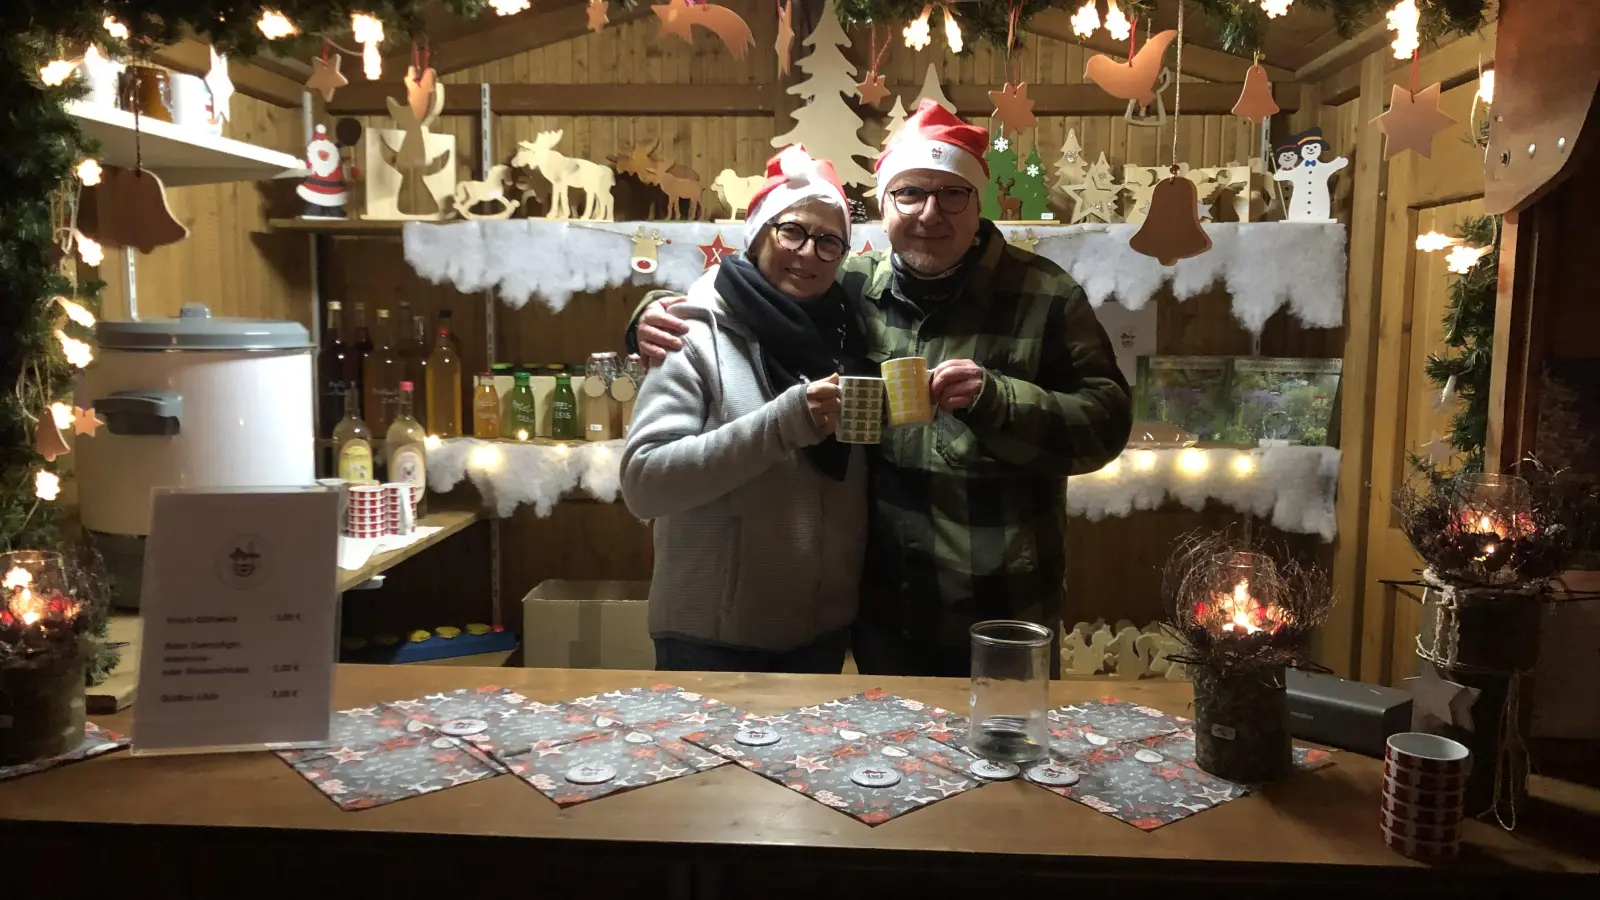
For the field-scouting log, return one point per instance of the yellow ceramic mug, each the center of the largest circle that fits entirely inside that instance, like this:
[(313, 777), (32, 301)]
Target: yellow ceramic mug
[(905, 383)]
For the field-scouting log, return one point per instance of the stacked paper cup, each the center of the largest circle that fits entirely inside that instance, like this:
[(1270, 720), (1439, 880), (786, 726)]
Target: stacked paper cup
[(1424, 782), (400, 514), (366, 513)]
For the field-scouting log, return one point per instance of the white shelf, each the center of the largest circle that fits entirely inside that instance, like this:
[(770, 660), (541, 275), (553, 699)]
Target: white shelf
[(181, 156)]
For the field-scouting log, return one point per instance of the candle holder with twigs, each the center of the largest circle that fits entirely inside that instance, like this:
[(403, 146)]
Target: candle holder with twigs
[(1243, 618), (43, 650)]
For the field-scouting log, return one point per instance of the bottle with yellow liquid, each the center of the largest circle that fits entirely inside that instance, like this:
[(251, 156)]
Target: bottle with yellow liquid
[(407, 454), (444, 382), (485, 408), (352, 441)]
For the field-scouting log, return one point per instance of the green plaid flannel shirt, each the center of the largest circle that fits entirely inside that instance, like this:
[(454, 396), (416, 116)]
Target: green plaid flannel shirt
[(969, 514)]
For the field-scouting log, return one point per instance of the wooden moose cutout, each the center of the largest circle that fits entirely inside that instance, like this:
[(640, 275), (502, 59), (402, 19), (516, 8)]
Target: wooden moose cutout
[(595, 180), (678, 188)]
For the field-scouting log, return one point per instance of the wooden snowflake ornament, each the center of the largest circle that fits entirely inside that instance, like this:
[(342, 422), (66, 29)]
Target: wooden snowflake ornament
[(1012, 107), (1411, 121)]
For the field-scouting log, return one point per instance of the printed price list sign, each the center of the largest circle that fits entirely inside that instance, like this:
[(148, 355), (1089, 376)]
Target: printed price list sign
[(240, 609)]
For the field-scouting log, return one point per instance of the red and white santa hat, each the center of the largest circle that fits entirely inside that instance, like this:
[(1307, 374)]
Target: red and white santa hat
[(793, 175), (933, 138)]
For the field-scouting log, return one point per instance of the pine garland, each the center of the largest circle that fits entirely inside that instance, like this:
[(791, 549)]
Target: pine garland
[(1240, 25), (1469, 332), (42, 147)]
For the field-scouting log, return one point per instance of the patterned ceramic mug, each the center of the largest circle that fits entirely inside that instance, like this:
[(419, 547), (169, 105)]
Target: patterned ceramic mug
[(860, 410), (906, 386)]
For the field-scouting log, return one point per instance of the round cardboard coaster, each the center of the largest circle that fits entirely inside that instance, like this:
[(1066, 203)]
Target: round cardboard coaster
[(1052, 775), (591, 774), (637, 737), (1148, 756), (875, 776), (993, 770), (849, 735), (894, 752), (757, 737), (463, 727)]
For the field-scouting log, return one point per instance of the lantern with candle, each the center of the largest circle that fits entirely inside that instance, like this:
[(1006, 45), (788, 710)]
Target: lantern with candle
[(1243, 619), (42, 656)]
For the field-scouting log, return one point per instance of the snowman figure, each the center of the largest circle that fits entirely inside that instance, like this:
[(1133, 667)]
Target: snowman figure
[(323, 189), (1309, 177)]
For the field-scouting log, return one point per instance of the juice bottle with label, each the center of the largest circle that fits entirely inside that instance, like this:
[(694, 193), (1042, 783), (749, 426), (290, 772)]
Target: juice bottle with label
[(486, 408), (564, 410), (353, 441), (407, 455), (521, 418), (444, 382)]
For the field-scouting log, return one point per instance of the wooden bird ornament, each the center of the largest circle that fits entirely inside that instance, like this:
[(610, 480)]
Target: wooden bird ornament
[(1135, 79)]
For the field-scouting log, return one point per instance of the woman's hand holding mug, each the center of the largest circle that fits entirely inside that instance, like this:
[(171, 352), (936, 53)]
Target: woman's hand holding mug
[(822, 399)]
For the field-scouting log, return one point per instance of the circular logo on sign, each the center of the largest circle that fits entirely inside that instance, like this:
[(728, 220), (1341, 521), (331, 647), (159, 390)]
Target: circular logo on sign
[(243, 562)]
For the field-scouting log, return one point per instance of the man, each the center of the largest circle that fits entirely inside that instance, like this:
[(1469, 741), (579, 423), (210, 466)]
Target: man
[(968, 514)]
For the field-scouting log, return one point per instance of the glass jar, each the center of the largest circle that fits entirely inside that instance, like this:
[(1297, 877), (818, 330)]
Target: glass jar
[(1010, 691)]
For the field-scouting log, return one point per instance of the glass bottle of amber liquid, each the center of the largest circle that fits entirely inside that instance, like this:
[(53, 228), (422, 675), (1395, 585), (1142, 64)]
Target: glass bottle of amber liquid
[(414, 354), (407, 454), (352, 442), (444, 382), (381, 375), (362, 345), (485, 408)]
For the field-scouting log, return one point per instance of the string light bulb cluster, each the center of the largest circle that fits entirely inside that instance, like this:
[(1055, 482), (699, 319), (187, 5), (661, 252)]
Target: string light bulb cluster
[(56, 72), (1086, 20), (1486, 86), (509, 7), (76, 312), (1461, 259), (78, 353), (89, 249), (114, 28), (1404, 20), (1275, 8), (368, 32), (89, 172), (1117, 22), (275, 25), (46, 485), (952, 32), (919, 33)]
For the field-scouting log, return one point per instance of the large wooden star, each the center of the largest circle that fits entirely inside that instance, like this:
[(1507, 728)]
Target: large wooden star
[(716, 250), (325, 76), (872, 89), (1012, 106), (674, 20), (1092, 198), (1412, 121)]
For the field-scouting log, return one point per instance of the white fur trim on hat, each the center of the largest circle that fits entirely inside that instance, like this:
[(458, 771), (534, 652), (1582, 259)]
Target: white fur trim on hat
[(786, 195), (907, 153)]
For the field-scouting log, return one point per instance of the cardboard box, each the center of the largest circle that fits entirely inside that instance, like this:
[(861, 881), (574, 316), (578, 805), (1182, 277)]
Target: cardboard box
[(587, 625)]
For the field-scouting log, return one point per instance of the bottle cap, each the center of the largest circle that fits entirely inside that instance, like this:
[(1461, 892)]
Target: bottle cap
[(406, 386)]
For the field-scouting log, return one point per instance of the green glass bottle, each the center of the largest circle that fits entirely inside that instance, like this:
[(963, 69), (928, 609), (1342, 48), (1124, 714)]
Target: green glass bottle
[(520, 422), (564, 410)]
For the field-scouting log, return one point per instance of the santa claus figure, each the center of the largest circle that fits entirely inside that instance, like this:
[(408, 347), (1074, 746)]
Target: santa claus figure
[(324, 188)]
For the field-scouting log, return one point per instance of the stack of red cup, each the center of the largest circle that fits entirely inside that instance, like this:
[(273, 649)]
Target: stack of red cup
[(1424, 784), (366, 513), (400, 512)]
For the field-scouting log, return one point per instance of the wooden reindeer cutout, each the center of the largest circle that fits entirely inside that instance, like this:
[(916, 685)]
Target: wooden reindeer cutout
[(678, 188), (595, 180), (645, 245), (1010, 207), (490, 190)]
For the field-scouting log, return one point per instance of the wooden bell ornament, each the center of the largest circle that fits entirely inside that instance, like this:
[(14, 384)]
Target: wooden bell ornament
[(1171, 231), (1255, 101)]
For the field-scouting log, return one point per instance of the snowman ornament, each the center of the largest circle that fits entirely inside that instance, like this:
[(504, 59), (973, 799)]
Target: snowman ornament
[(1309, 176), (323, 188)]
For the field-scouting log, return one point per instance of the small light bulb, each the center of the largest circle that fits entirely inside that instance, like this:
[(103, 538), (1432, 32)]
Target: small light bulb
[(522, 434), (1116, 22), (77, 352), (1486, 86), (1403, 20), (952, 31), (485, 458), (368, 32), (1462, 258), (1144, 460), (1192, 461), (509, 7), (115, 29), (89, 249), (917, 34), (1275, 8), (1243, 465), (1110, 469), (89, 172), (1430, 241), (432, 442), (46, 485), (276, 25), (61, 413), (1086, 19), (57, 71), (562, 449), (75, 312)]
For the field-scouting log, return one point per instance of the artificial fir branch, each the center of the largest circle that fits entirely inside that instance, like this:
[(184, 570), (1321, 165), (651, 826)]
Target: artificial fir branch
[(1469, 334)]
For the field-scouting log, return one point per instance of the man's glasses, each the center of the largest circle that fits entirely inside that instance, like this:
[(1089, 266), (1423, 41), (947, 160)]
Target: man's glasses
[(910, 200), (793, 236)]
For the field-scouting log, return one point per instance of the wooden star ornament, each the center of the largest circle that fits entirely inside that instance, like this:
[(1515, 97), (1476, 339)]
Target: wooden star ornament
[(599, 14), (785, 36), (1411, 121), (220, 85), (325, 76), (716, 251), (674, 20), (1446, 701), (872, 90), (84, 421), (1012, 106)]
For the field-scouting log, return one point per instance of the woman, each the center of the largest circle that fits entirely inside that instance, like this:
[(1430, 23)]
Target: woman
[(760, 513)]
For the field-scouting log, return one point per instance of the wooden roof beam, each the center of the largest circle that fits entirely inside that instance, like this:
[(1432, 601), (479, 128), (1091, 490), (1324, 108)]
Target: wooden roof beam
[(504, 37), (1451, 64), (1201, 62)]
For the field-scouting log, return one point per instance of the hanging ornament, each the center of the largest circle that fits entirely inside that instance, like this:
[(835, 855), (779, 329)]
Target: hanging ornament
[(75, 312), (786, 37), (645, 247), (1135, 79), (715, 251), (275, 25), (674, 21), (85, 421), (1403, 20), (47, 440), (871, 89), (77, 352), (952, 31), (325, 75), (114, 28), (1446, 395), (1086, 20), (420, 82), (1255, 101), (599, 14), (46, 485), (1171, 231), (368, 32), (1117, 23), (1411, 121), (1013, 108), (220, 85), (1275, 8), (917, 34), (133, 211), (679, 18), (1438, 450), (89, 172)]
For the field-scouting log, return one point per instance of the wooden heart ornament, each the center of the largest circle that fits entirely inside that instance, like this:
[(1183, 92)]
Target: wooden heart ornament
[(419, 91), (131, 211), (1135, 79)]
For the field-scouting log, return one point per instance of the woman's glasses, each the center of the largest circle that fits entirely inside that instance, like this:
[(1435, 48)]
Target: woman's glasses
[(793, 236), (910, 200)]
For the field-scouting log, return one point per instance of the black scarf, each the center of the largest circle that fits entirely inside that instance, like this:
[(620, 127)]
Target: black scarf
[(930, 292), (801, 340)]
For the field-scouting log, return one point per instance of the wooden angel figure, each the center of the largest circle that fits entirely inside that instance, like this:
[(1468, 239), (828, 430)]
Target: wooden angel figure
[(1309, 177)]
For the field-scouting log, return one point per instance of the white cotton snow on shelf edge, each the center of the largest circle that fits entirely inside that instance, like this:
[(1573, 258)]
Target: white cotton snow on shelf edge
[(1292, 487), (1263, 265)]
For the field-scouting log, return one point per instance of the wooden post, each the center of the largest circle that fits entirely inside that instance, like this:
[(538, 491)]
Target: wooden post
[(1337, 644)]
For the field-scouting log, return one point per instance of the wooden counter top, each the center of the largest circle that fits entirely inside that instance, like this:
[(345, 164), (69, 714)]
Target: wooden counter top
[(1327, 818)]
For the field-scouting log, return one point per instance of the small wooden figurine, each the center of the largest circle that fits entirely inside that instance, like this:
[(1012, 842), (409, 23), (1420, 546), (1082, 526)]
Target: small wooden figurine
[(324, 189), (735, 192), (490, 190), (678, 188), (595, 180), (411, 152)]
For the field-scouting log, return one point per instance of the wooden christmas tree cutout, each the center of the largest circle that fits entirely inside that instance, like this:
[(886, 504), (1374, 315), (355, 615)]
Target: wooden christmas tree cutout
[(131, 211), (827, 125), (1135, 79), (931, 88)]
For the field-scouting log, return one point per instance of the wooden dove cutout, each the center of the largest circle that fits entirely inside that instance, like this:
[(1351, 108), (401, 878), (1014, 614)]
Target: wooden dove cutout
[(1135, 79)]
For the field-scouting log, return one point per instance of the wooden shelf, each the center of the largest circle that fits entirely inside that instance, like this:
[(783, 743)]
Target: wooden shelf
[(181, 156), (449, 522), (353, 227)]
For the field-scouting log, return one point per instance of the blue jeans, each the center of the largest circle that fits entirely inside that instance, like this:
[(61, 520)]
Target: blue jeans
[(824, 656)]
